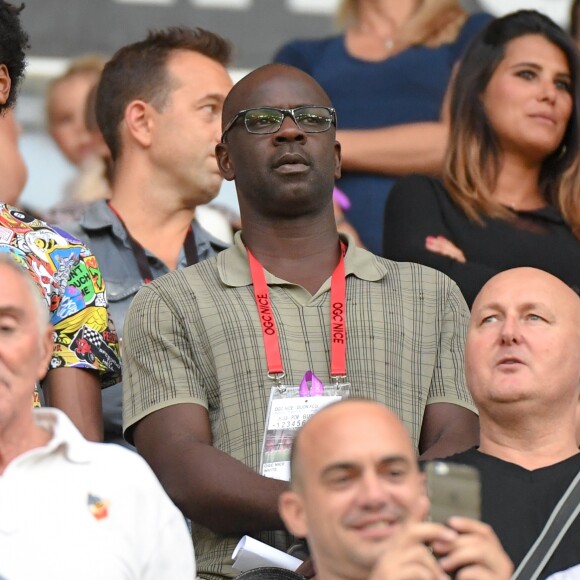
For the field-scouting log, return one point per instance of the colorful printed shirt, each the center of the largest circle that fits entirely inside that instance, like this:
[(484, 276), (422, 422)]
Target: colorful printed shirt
[(70, 280)]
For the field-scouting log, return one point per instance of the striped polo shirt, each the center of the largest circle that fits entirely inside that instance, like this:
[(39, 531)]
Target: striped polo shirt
[(194, 336)]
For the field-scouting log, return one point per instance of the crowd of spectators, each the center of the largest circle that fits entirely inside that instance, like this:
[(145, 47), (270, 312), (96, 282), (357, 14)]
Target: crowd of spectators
[(293, 385)]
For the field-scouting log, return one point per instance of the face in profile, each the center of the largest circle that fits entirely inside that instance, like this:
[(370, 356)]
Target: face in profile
[(523, 343), (187, 127), (357, 482), (528, 100), (25, 348), (66, 116)]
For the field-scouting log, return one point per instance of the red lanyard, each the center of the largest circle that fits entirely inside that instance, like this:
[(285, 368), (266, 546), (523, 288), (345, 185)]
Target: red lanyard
[(337, 318)]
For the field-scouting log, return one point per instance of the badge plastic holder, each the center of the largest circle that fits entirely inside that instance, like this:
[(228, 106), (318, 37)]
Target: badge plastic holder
[(289, 408)]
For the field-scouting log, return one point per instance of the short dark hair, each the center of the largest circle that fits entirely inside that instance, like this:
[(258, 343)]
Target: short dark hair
[(13, 45), (138, 71), (472, 159)]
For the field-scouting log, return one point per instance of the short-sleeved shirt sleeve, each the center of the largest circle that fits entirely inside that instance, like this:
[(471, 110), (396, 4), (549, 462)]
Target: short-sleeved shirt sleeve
[(68, 276), (194, 336)]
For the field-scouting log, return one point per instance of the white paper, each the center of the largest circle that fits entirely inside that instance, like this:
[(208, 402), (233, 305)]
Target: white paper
[(251, 553)]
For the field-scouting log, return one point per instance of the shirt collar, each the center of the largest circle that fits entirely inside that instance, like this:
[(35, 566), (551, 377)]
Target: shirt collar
[(65, 436), (99, 216), (234, 269)]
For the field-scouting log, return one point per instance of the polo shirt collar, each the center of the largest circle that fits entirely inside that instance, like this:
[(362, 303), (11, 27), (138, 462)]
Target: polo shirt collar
[(66, 438), (99, 216), (234, 269)]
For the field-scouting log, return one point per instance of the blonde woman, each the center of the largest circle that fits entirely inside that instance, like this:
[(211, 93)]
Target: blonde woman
[(67, 109), (386, 75), (510, 194)]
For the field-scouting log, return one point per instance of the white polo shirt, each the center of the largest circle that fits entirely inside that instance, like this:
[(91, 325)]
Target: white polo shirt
[(80, 510)]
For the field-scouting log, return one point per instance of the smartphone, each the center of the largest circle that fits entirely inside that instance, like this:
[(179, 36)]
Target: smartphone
[(453, 490)]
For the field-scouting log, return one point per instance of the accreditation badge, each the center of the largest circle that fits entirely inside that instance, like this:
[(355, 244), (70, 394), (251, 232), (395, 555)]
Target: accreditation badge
[(288, 409)]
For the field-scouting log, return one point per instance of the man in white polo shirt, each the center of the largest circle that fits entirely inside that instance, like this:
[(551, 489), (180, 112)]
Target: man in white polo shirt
[(70, 508)]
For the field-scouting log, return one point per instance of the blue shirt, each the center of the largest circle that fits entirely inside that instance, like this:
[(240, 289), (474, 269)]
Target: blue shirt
[(406, 88)]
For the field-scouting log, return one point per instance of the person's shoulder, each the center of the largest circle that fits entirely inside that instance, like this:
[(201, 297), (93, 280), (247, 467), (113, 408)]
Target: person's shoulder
[(309, 45), (13, 217), (416, 184), (189, 278), (73, 229), (203, 236), (301, 52), (130, 473), (415, 196), (468, 457), (425, 285), (478, 20), (73, 240), (24, 222), (115, 457), (414, 274), (40, 228), (472, 26), (486, 463)]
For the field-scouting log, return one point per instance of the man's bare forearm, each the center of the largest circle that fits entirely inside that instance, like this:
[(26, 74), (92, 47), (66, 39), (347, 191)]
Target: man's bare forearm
[(77, 392), (209, 486)]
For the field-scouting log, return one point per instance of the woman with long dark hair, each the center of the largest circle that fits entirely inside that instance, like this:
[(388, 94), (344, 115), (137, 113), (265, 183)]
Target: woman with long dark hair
[(510, 192)]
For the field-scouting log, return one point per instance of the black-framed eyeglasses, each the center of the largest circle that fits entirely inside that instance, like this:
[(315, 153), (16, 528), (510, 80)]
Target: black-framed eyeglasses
[(267, 120)]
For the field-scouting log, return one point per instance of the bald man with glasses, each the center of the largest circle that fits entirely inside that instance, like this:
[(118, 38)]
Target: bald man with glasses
[(224, 360)]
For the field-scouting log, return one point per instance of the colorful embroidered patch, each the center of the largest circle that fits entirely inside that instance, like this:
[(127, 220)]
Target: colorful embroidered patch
[(98, 507)]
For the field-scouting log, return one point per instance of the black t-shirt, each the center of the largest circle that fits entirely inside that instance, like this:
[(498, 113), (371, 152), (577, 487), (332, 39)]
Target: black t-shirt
[(420, 206), (517, 502)]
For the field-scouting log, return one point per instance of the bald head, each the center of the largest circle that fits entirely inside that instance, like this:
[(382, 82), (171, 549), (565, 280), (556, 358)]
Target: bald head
[(320, 437), (254, 90), (289, 172), (530, 282), (523, 348), (355, 483)]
